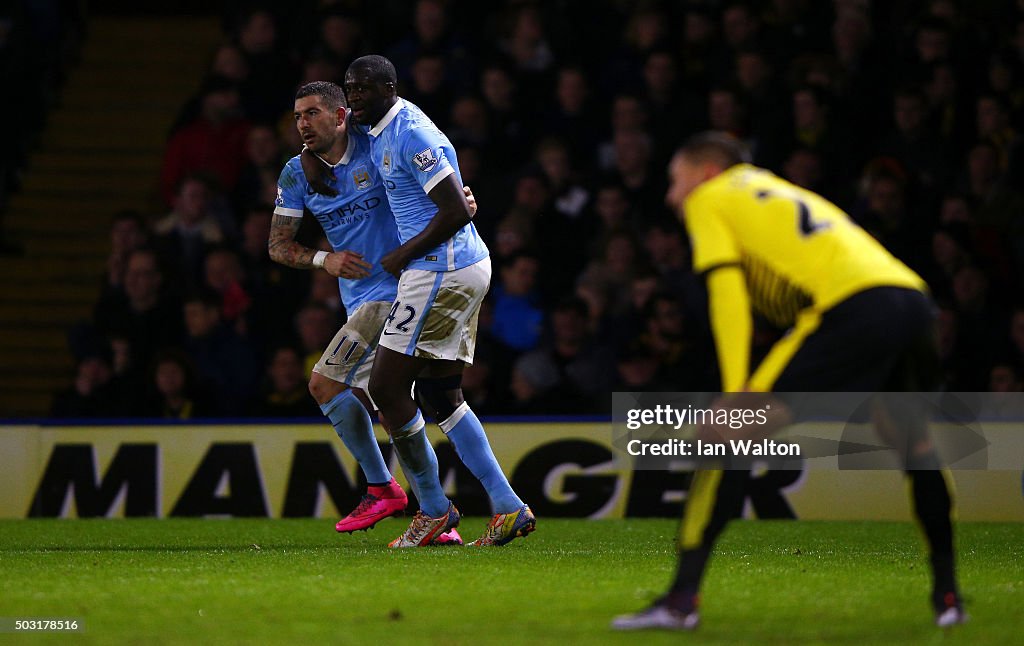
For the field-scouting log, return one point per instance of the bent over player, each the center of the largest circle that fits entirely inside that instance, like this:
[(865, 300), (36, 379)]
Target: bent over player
[(357, 220), (859, 321)]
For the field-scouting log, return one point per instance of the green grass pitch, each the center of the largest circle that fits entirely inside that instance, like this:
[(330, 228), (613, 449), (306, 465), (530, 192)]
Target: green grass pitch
[(296, 581)]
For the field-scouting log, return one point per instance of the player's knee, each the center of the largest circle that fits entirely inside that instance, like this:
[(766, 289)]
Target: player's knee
[(441, 394), (384, 422), (380, 391), (323, 389)]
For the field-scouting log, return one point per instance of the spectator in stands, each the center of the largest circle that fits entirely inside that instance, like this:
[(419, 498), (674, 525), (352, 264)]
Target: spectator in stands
[(469, 122), (432, 33), (226, 365), (341, 39), (667, 251), (727, 111), (636, 370), (683, 357), (644, 31), (611, 272), (764, 101), (174, 394), (628, 114), (127, 233), (951, 251), (508, 132), (513, 235), (814, 126), (632, 321), (324, 291), (223, 275), (948, 109), (90, 395), (479, 386), (913, 143), (572, 373), (979, 321), (568, 193), (645, 188), (271, 71), (671, 112), (883, 210), (213, 143), (315, 326), (228, 63), (699, 47), (741, 26), (518, 319), (571, 116), (258, 177), (1005, 377), (429, 89), (566, 217), (287, 395), (255, 259), (128, 382), (183, 237), (277, 291), (613, 209), (527, 46), (146, 315), (803, 168), (998, 203)]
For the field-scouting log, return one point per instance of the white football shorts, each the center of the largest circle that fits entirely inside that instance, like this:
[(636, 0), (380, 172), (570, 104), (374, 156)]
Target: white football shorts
[(435, 313), (349, 357)]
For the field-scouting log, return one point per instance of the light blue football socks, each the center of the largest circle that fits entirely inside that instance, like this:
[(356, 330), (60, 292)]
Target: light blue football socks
[(419, 462), (353, 425), (466, 434)]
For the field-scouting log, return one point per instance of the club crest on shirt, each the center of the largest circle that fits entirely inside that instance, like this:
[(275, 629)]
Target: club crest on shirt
[(361, 177), (425, 160), (385, 163)]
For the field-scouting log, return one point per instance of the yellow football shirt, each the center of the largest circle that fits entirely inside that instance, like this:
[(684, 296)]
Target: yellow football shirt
[(797, 253), (796, 249)]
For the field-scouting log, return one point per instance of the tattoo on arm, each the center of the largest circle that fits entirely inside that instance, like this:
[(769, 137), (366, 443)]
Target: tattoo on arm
[(283, 247)]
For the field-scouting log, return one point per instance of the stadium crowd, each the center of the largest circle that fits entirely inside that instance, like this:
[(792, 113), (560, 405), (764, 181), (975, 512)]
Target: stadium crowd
[(907, 115)]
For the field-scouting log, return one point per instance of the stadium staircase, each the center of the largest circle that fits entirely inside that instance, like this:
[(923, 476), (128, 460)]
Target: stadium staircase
[(100, 153)]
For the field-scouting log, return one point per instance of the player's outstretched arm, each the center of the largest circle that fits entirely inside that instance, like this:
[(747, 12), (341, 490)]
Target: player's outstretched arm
[(454, 211), (285, 250)]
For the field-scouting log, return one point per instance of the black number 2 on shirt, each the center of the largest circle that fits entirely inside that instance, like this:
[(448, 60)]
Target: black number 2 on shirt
[(806, 225)]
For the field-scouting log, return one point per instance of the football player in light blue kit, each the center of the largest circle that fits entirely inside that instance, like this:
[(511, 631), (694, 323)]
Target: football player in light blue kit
[(444, 271), (355, 215)]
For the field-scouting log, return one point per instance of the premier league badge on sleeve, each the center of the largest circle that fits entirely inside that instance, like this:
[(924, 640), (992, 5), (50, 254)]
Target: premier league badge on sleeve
[(280, 197), (425, 160)]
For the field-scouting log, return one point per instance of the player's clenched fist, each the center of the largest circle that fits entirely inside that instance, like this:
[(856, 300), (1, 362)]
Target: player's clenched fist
[(347, 264), (395, 261)]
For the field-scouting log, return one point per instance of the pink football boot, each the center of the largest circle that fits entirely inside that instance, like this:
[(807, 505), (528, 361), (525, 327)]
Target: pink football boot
[(378, 503)]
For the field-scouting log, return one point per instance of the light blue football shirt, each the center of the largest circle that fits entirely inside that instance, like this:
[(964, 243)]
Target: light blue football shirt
[(359, 219), (413, 156)]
